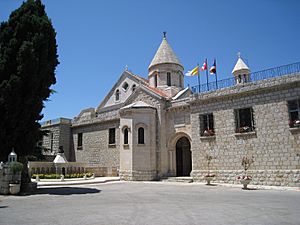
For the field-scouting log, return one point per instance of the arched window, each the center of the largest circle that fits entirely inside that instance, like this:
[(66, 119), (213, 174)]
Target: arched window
[(125, 136), (169, 79), (125, 86), (133, 87), (180, 81), (117, 95), (141, 139)]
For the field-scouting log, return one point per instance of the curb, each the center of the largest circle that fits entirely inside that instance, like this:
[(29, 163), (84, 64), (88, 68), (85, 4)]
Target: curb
[(64, 183)]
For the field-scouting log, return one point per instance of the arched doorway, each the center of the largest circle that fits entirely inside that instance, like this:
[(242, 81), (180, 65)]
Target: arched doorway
[(183, 157)]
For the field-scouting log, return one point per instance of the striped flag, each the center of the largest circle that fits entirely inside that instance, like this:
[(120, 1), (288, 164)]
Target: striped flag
[(193, 72), (204, 66), (213, 68)]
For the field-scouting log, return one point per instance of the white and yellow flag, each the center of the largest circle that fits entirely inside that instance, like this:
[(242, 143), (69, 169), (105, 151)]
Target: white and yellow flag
[(193, 72)]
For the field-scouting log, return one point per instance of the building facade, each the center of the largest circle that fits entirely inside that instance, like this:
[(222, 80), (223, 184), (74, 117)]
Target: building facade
[(148, 129)]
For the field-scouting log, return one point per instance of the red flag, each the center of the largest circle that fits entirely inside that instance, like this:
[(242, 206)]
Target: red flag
[(204, 66)]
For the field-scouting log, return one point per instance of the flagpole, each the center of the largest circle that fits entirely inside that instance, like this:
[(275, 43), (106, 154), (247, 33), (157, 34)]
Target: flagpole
[(198, 72), (216, 74), (206, 75)]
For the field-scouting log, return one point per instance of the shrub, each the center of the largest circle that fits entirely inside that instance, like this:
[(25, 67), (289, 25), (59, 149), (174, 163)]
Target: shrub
[(16, 167)]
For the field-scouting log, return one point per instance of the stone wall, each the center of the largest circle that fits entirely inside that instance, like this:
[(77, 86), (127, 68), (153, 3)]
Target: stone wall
[(6, 177), (178, 125), (274, 146), (160, 132), (132, 175), (59, 134), (95, 148), (138, 160), (51, 145)]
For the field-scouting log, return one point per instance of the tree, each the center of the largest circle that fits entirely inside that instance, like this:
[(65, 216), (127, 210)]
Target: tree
[(28, 58)]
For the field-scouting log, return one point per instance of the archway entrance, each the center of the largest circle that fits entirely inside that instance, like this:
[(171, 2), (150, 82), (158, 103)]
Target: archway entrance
[(183, 157)]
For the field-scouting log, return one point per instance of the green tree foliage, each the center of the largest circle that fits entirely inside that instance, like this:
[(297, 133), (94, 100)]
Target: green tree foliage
[(28, 58)]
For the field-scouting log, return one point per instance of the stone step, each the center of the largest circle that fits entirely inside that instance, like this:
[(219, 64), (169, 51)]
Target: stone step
[(178, 179)]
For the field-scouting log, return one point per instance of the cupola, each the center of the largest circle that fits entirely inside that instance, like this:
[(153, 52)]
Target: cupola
[(241, 71), (165, 70)]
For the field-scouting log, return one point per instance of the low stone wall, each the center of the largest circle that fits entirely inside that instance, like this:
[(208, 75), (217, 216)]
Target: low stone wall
[(49, 167), (72, 167), (103, 171), (6, 177), (259, 177), (129, 175)]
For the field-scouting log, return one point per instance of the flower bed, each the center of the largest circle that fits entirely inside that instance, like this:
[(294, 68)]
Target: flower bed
[(210, 175), (57, 176), (244, 178)]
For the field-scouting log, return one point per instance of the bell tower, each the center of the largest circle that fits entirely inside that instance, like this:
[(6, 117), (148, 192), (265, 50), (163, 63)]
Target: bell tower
[(165, 71)]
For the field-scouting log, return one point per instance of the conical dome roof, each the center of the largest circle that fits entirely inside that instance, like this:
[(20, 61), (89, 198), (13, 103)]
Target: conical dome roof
[(240, 66), (164, 54)]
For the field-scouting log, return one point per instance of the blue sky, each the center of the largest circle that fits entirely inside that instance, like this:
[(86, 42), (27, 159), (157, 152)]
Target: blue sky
[(98, 38)]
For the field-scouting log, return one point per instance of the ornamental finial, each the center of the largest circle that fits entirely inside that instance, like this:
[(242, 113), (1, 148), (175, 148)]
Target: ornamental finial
[(165, 34), (239, 54)]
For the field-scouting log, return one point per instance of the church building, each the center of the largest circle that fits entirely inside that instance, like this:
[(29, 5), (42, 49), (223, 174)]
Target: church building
[(155, 128)]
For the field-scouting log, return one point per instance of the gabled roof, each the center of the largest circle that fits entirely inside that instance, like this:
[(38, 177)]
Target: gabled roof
[(181, 93), (164, 54), (240, 65), (156, 91), (142, 81), (138, 104), (125, 74)]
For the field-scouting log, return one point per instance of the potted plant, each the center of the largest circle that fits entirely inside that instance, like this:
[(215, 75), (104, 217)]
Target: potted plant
[(15, 183), (208, 133), (295, 123), (209, 176), (246, 163), (243, 129)]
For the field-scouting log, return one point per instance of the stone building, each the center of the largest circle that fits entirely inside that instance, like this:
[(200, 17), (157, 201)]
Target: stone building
[(148, 129)]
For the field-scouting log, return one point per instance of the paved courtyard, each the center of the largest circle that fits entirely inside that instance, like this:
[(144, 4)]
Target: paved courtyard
[(151, 203)]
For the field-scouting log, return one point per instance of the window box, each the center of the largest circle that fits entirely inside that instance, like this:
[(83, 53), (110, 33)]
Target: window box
[(208, 133), (208, 138), (111, 145), (295, 130), (126, 146), (245, 134), (294, 123), (244, 129)]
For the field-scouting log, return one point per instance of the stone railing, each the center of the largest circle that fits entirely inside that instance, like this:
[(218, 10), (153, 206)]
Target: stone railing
[(49, 167)]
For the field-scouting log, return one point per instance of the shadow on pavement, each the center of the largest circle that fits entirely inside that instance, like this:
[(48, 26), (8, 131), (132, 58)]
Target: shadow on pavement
[(251, 189), (213, 185), (66, 191)]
